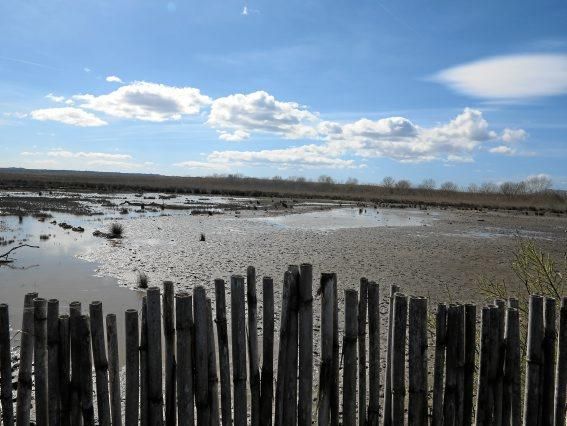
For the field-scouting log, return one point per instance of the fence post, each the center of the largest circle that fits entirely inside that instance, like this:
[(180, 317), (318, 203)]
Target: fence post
[(253, 362), (460, 370), (305, 319), (290, 383), (388, 375), (132, 367), (267, 381), (40, 362), (374, 354), (561, 383), (114, 370), (417, 351), (238, 349), (154, 357), (100, 362), (224, 353), (398, 358), (184, 368), (439, 368), (512, 398), (144, 364), (23, 399), (450, 396), (64, 369), (53, 362), (499, 384), (362, 309), (169, 339), (549, 353), (534, 361), (335, 362), (482, 413), (349, 356), (213, 378), (6, 367), (325, 369), (86, 371), (75, 398), (282, 352), (201, 357), (469, 367)]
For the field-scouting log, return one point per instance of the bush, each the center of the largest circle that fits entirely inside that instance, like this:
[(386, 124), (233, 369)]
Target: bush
[(142, 280), (116, 230)]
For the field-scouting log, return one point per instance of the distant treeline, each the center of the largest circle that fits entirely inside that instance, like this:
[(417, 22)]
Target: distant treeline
[(535, 193)]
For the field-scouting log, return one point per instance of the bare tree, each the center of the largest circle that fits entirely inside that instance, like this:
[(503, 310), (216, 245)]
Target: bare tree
[(325, 179), (473, 188), (449, 187), (403, 185), (428, 184), (388, 182), (513, 188), (351, 181), (537, 184), (488, 188)]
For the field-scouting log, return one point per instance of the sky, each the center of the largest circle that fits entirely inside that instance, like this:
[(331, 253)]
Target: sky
[(454, 91)]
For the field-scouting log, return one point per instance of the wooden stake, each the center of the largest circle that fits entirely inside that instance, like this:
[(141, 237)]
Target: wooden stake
[(388, 374), (374, 354), (184, 368), (483, 416), (201, 357), (417, 371), (154, 358), (54, 394), (5, 367), (169, 338), (253, 356), (267, 381), (450, 396), (291, 358), (362, 309), (325, 370), (238, 349), (144, 402), (132, 367), (349, 354), (511, 403), (40, 362), (305, 320), (224, 353), (561, 372), (534, 362), (213, 378), (439, 367), (398, 358), (86, 371), (64, 369), (100, 362), (75, 326), (549, 354), (469, 367), (114, 370)]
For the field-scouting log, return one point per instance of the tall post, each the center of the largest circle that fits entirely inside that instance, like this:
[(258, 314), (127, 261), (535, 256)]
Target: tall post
[(349, 354), (282, 353), (469, 367), (75, 397), (85, 371), (290, 382), (238, 349), (439, 367), (155, 383), (184, 368), (417, 361), (305, 321), (40, 362), (201, 357), (64, 369), (511, 409), (483, 416), (213, 378), (460, 388), (325, 370), (53, 362), (561, 372), (374, 354), (335, 360), (362, 309), (499, 384), (6, 367), (388, 374), (224, 353), (114, 370), (267, 380), (169, 338), (144, 402), (100, 362), (534, 360), (132, 367), (450, 396), (549, 354), (398, 359), (253, 356)]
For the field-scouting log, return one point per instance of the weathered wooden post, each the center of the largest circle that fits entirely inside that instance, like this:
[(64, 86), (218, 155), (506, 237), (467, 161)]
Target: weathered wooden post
[(460, 388), (23, 401), (267, 381), (253, 355), (238, 349), (75, 397), (282, 353), (6, 367), (511, 403), (439, 367), (494, 358), (100, 362), (53, 362), (305, 319), (398, 358), (325, 370), (388, 374), (362, 309), (40, 362), (169, 338), (113, 370), (450, 396), (469, 367), (201, 357), (290, 383), (335, 361), (483, 416), (184, 368), (224, 353), (499, 384), (349, 354), (549, 354), (417, 352), (132, 367), (144, 403), (64, 362), (154, 357), (85, 371), (213, 378), (561, 383), (534, 362), (374, 354)]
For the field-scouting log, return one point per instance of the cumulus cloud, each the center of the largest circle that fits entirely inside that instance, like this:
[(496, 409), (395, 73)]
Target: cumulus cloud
[(55, 98), (203, 165), (502, 149), (68, 115), (113, 79), (513, 77), (60, 158), (513, 135), (237, 135), (93, 155), (261, 112), (147, 102)]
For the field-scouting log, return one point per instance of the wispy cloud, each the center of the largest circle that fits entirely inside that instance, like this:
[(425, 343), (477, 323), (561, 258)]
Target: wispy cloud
[(113, 79), (68, 115)]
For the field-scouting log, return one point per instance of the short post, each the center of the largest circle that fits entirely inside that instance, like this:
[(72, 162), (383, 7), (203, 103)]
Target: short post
[(417, 361), (132, 367), (305, 322), (398, 358), (64, 369), (253, 356), (534, 361), (24, 393), (349, 354), (201, 357), (100, 362), (213, 378), (5, 367), (238, 349), (325, 370), (53, 362), (549, 354), (511, 409), (483, 416), (362, 309), (169, 338), (224, 353), (85, 371), (113, 370), (450, 396), (388, 374), (154, 357), (75, 397), (439, 367), (267, 380), (184, 370), (561, 383), (374, 354), (40, 362), (290, 383), (469, 367), (144, 403)]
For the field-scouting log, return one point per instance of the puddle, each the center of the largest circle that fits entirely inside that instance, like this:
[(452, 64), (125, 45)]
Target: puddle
[(330, 220)]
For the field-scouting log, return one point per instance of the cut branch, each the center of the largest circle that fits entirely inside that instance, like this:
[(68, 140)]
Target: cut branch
[(5, 255)]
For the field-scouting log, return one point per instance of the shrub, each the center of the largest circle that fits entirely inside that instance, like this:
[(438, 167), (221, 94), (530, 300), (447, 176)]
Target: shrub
[(142, 280), (116, 230)]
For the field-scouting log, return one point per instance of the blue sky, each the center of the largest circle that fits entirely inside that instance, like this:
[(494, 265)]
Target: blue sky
[(468, 92)]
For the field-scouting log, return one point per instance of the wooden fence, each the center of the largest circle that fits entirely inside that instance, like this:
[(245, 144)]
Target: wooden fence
[(195, 378)]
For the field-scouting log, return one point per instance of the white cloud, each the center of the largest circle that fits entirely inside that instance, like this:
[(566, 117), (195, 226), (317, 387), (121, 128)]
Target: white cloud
[(147, 101), (55, 98), (113, 79), (513, 135), (68, 115), (261, 112), (64, 159), (203, 165), (502, 149), (86, 69), (92, 155), (15, 114), (513, 77), (237, 135)]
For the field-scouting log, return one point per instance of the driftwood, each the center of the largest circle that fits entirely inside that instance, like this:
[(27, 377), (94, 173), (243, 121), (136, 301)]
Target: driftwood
[(5, 255)]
